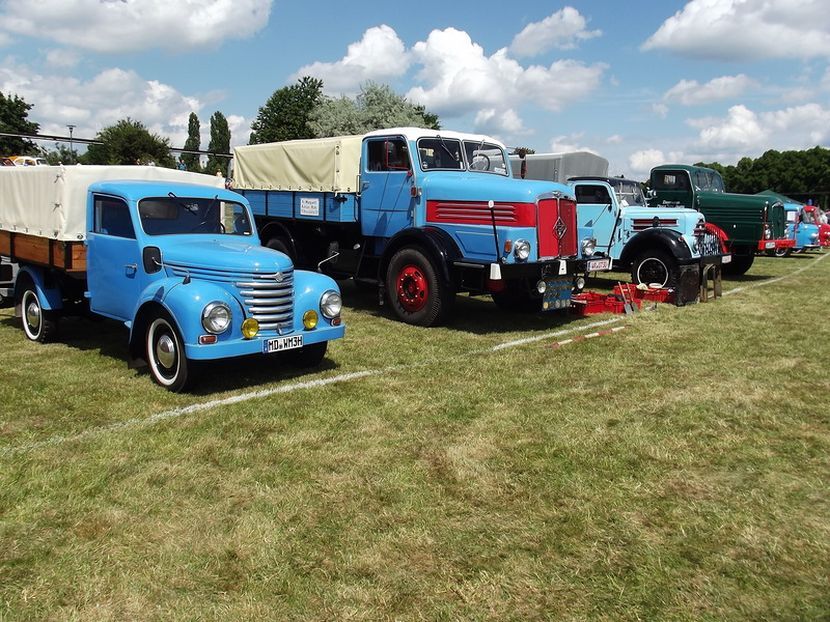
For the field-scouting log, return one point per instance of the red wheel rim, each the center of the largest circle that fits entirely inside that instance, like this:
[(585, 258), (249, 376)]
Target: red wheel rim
[(413, 290)]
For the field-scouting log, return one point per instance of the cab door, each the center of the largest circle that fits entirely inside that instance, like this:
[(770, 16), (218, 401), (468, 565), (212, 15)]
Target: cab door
[(385, 186), (597, 210), (115, 277)]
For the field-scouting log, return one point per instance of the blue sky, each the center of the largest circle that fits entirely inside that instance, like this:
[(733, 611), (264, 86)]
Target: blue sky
[(638, 82)]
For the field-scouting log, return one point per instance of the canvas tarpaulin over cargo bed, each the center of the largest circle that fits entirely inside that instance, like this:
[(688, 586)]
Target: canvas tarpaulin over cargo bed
[(317, 165), (51, 201), (560, 166)]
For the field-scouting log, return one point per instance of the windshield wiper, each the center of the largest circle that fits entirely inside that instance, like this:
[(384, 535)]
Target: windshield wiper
[(181, 203), (447, 149)]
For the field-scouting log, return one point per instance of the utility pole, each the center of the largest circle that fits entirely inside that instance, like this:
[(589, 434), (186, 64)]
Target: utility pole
[(71, 150)]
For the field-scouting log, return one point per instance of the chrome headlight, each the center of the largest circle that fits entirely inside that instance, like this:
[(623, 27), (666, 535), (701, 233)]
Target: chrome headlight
[(521, 249), (589, 246), (331, 304), (216, 318), (814, 236), (767, 232)]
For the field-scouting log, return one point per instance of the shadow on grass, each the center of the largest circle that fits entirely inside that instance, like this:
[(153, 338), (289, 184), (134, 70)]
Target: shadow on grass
[(109, 338)]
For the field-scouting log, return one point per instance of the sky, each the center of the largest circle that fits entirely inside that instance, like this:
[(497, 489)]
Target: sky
[(639, 82)]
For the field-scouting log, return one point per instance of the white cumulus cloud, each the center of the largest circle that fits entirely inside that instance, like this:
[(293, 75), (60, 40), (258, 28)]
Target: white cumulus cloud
[(746, 29), (641, 162), (495, 122), (457, 77), (131, 25), (691, 92), (560, 30), (379, 55)]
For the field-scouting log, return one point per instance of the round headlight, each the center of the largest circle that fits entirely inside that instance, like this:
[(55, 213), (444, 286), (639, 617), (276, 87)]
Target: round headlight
[(250, 328), (521, 249), (331, 304), (589, 245), (216, 318), (541, 286), (767, 232)]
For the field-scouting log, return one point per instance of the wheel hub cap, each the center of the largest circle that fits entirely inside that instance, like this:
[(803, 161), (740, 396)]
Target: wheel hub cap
[(653, 271), (413, 290), (166, 351), (33, 315)]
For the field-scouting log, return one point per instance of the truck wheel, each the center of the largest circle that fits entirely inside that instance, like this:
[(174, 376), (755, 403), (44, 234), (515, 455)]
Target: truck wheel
[(308, 356), (739, 265), (165, 354), (517, 298), (655, 266), (784, 252), (38, 324), (416, 293)]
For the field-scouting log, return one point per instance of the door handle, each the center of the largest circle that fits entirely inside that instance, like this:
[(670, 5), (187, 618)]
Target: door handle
[(130, 269)]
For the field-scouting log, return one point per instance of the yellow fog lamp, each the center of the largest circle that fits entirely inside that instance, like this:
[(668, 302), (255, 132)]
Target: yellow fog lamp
[(250, 328), (310, 319)]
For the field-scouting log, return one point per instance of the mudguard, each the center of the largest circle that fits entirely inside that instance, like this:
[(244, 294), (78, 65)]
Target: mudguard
[(656, 237), (49, 295), (308, 289), (437, 242)]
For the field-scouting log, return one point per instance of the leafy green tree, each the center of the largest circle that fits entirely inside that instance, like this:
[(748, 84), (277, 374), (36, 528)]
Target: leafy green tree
[(285, 115), (220, 142), (14, 113), (376, 107), (129, 142), (61, 154), (193, 142)]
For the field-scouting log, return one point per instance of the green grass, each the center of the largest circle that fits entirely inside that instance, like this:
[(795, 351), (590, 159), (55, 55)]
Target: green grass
[(675, 470)]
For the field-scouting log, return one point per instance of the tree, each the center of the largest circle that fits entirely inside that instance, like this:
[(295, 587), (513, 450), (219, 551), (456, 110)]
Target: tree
[(129, 142), (220, 142), (61, 154), (376, 107), (14, 112), (285, 115), (193, 142)]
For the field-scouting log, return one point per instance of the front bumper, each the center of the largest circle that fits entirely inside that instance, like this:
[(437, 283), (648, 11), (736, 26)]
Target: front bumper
[(773, 245), (244, 347)]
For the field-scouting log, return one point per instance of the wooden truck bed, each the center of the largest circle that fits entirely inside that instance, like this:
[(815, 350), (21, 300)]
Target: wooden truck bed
[(68, 256)]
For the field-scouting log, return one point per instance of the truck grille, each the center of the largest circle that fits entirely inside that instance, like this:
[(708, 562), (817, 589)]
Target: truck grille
[(709, 243), (267, 297)]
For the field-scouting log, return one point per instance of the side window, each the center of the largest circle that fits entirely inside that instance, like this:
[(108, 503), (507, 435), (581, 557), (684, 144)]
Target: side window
[(387, 154), (592, 194), (112, 217)]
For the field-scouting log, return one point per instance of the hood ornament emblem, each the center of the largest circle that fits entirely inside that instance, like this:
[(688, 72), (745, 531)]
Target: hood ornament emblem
[(278, 277)]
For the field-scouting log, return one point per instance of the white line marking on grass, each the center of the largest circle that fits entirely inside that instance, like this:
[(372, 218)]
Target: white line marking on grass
[(137, 422), (736, 290), (564, 331)]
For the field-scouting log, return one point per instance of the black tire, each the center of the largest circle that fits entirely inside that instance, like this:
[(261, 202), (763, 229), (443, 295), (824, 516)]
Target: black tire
[(416, 293), (517, 297), (38, 324), (165, 354), (655, 265), (785, 252), (307, 356), (282, 245), (739, 265)]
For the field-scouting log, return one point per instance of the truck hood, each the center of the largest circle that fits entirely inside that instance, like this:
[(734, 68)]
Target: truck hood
[(218, 253), (468, 186)]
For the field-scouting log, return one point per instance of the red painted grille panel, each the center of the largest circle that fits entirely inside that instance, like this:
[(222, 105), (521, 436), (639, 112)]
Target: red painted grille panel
[(569, 243), (477, 213)]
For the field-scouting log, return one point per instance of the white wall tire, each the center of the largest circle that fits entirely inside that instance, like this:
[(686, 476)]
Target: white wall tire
[(38, 324), (165, 354)]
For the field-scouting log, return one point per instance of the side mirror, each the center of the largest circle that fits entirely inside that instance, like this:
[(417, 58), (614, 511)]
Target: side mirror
[(651, 193), (151, 258)]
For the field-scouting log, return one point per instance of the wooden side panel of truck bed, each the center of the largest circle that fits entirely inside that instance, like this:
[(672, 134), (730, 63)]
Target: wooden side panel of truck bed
[(22, 247)]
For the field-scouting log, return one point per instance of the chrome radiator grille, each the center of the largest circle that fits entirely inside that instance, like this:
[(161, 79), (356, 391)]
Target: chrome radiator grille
[(267, 297)]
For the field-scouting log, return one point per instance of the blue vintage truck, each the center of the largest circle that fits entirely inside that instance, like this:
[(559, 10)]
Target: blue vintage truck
[(179, 263), (423, 213), (802, 226), (667, 246)]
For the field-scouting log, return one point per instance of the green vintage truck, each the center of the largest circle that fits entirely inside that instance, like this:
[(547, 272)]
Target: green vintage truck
[(745, 223)]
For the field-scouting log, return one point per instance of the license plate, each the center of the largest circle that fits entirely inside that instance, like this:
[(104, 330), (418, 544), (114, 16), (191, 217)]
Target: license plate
[(282, 343), (726, 259), (769, 245), (594, 265)]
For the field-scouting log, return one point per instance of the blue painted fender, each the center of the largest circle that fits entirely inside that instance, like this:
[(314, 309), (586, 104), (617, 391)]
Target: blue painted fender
[(308, 289), (49, 295)]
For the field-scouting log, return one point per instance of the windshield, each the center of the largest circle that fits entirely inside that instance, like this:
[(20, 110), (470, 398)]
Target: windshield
[(809, 217), (628, 191), (485, 157), (176, 215), (440, 153)]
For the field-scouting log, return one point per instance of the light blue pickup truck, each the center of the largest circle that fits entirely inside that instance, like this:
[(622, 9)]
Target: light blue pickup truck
[(180, 264)]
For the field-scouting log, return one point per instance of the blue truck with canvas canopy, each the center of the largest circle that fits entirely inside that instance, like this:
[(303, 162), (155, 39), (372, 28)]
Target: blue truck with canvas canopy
[(423, 213), (173, 255)]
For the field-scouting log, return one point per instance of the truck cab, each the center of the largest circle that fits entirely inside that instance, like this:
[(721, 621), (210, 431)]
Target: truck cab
[(745, 223), (669, 247), (181, 266), (423, 213), (803, 226)]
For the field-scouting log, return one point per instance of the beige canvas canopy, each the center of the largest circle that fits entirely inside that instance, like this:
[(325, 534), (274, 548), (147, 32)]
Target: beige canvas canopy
[(50, 201), (317, 165)]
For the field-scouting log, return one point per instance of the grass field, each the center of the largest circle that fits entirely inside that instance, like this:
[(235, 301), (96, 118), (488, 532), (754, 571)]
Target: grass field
[(675, 469)]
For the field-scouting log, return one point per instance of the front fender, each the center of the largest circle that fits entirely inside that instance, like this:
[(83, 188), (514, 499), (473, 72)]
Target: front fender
[(656, 237), (308, 288)]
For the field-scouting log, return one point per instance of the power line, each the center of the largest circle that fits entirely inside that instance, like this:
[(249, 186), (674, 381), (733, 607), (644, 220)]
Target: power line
[(92, 141)]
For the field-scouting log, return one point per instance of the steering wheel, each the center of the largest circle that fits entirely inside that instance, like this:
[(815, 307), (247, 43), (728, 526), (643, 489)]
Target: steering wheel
[(481, 162), (218, 227)]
